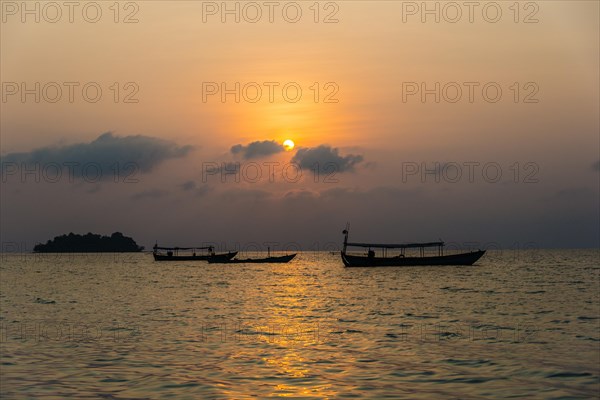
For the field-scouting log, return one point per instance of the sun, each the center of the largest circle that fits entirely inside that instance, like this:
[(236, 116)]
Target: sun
[(288, 144)]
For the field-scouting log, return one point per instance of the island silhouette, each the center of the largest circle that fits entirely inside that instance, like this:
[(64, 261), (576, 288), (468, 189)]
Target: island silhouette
[(89, 243)]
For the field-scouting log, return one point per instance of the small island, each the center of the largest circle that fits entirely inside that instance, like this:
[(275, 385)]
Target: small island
[(89, 243)]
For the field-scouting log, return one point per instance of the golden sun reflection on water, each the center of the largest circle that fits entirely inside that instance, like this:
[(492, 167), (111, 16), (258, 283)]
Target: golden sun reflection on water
[(295, 337)]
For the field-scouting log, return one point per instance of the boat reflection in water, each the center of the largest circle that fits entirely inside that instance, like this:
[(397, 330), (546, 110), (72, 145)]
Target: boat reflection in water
[(401, 259)]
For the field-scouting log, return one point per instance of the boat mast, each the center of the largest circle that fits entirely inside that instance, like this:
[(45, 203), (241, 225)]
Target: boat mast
[(345, 232)]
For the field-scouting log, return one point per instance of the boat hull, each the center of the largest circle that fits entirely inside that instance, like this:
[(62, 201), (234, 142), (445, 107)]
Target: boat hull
[(202, 257), (267, 260), (452, 259)]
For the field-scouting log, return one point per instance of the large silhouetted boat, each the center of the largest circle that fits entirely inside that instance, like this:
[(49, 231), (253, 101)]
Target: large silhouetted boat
[(190, 253), (370, 259)]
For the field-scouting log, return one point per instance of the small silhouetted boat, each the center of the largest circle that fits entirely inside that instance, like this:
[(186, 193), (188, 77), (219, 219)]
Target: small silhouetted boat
[(172, 253), (268, 259), (400, 260)]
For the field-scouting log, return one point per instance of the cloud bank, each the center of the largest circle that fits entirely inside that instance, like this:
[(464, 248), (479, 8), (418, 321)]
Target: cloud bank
[(323, 157), (257, 149), (108, 151)]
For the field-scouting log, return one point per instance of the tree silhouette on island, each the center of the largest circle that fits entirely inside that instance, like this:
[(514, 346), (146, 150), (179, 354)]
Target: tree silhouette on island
[(89, 243)]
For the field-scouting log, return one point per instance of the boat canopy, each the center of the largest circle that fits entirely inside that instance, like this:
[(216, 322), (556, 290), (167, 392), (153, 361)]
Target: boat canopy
[(397, 246)]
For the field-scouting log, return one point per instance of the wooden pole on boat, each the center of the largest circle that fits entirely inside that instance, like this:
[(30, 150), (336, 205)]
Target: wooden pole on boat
[(345, 232)]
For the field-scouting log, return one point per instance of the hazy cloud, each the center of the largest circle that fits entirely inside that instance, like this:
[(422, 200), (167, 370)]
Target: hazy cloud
[(301, 194), (192, 187), (257, 149), (108, 154), (379, 192), (596, 166), (325, 157), (247, 196), (575, 193), (150, 194), (189, 185)]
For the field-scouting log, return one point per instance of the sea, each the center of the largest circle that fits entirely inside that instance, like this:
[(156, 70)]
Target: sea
[(518, 324)]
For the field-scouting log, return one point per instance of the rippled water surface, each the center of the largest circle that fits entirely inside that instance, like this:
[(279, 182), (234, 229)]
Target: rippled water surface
[(518, 324)]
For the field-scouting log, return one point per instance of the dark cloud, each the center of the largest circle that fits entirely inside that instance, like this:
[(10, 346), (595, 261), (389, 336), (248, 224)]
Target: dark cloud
[(257, 149), (192, 187), (326, 159), (107, 155), (150, 194), (202, 190), (189, 185)]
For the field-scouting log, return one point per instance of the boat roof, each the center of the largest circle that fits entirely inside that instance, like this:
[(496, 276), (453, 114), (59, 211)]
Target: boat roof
[(183, 248), (396, 246)]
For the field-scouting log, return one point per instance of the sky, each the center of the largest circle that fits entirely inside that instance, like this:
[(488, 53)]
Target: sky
[(477, 124)]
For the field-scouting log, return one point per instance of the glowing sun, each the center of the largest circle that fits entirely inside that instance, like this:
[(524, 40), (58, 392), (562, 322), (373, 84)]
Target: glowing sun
[(288, 144)]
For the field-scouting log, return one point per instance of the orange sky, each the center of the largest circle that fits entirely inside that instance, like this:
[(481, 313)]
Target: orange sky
[(367, 57)]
